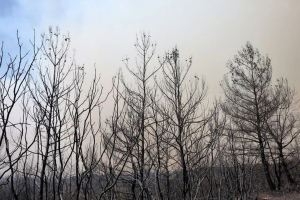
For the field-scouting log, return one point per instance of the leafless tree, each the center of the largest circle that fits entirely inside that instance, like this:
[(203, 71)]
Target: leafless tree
[(161, 140), (62, 114), (210, 177), (239, 165), (283, 129), (117, 149), (248, 99), (49, 95), (187, 118), (139, 101), (13, 79)]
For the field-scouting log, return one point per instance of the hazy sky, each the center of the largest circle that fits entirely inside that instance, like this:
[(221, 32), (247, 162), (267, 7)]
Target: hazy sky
[(103, 32)]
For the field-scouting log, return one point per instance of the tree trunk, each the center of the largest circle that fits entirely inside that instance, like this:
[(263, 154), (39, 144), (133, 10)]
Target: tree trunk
[(266, 165)]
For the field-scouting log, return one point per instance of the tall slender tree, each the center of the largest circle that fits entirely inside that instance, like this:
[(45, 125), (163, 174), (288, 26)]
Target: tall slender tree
[(139, 101), (283, 128), (13, 80), (186, 116), (249, 101)]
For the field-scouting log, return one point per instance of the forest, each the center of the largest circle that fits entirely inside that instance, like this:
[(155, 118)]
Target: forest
[(162, 139)]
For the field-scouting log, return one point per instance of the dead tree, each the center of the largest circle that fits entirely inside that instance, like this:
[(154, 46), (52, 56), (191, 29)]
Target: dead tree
[(138, 101), (186, 116), (282, 129), (248, 99), (13, 80)]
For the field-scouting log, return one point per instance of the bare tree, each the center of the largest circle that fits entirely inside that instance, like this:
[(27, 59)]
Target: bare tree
[(62, 114), (49, 95), (239, 165), (13, 79), (117, 148), (161, 141), (139, 101), (186, 116), (248, 99), (282, 128), (210, 179)]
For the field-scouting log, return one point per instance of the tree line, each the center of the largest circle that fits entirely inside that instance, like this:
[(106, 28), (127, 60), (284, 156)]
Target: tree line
[(161, 140)]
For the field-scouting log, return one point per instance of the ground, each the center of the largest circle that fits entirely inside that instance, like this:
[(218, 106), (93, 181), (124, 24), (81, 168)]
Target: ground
[(279, 196)]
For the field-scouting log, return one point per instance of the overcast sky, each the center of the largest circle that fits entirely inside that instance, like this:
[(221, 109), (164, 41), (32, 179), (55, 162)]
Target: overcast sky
[(103, 32)]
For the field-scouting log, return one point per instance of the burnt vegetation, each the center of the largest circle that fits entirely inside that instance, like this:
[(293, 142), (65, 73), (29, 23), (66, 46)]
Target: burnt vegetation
[(162, 139)]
